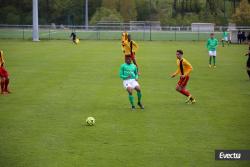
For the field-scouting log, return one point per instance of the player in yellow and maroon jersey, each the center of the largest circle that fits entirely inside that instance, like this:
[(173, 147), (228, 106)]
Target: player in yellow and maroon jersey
[(129, 48), (3, 75), (133, 49), (184, 69)]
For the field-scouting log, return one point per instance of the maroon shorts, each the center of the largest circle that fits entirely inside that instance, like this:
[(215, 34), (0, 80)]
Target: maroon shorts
[(131, 56), (183, 82), (3, 72)]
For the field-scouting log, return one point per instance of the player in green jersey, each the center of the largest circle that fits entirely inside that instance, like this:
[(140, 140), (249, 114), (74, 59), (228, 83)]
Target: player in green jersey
[(225, 38), (212, 44), (129, 75)]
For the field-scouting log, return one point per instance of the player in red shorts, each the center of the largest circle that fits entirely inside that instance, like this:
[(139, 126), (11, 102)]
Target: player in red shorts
[(129, 48), (3, 75), (184, 69), (133, 48)]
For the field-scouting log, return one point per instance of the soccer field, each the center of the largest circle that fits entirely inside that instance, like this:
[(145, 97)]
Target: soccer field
[(146, 35), (56, 85)]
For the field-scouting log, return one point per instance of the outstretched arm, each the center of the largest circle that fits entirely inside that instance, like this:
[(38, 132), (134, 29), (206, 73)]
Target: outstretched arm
[(135, 46), (175, 73)]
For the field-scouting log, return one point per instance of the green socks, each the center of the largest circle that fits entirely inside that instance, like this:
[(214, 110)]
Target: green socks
[(131, 100), (214, 60), (139, 97), (210, 60)]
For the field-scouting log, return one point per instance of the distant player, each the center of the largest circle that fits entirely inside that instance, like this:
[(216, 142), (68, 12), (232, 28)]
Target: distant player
[(212, 44), (239, 37), (248, 62), (3, 75), (130, 48), (184, 69), (230, 38), (129, 75), (225, 38), (74, 38)]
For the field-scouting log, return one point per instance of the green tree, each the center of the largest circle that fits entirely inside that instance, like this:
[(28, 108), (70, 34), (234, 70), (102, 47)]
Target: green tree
[(168, 12), (104, 14), (127, 9), (9, 15), (111, 4), (242, 14), (143, 10)]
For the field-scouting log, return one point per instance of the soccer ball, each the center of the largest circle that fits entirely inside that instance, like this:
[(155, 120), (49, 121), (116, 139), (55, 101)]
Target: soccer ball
[(90, 121)]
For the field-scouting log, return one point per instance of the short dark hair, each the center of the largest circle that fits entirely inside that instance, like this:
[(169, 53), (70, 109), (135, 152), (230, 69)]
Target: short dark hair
[(180, 51), (127, 56)]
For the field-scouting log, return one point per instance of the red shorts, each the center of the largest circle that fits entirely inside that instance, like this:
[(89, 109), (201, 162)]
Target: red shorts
[(132, 56), (3, 72), (183, 82)]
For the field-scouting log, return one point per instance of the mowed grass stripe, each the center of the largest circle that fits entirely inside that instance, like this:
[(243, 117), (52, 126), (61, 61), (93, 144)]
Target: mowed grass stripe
[(57, 85)]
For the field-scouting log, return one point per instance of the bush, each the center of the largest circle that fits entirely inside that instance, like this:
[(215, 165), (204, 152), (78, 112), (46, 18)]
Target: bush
[(104, 14)]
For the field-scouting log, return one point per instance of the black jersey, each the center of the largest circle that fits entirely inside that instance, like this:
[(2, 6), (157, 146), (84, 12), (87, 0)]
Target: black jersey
[(248, 60), (73, 35), (248, 37)]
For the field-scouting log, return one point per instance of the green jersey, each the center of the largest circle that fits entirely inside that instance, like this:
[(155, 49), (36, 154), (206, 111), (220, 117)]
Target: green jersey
[(212, 44), (127, 70), (225, 34)]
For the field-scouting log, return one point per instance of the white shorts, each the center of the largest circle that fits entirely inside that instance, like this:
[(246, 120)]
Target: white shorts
[(225, 38), (132, 83), (212, 53)]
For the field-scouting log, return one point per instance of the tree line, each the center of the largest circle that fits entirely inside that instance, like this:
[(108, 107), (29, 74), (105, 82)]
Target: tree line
[(168, 12)]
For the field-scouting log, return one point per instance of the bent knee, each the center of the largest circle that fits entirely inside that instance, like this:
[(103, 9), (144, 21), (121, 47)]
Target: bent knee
[(137, 88), (178, 88), (129, 90)]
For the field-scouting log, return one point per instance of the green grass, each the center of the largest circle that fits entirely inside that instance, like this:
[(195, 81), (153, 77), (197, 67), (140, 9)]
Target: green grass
[(56, 85), (26, 33)]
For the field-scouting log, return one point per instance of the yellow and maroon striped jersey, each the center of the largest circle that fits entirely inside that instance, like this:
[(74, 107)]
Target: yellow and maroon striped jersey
[(129, 47), (184, 67), (1, 58)]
